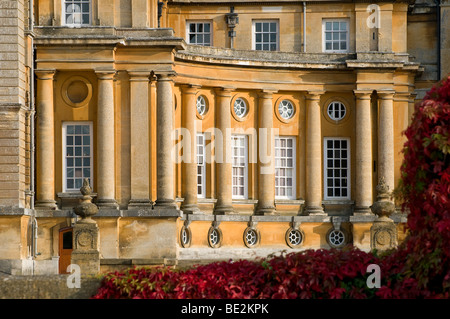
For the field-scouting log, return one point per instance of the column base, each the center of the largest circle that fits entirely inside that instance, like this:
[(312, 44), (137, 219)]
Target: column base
[(315, 210), (166, 203), (362, 211), (140, 203), (266, 211), (107, 204), (190, 209), (46, 204), (224, 210)]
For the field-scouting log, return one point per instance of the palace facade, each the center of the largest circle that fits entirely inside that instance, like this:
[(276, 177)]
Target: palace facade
[(208, 129)]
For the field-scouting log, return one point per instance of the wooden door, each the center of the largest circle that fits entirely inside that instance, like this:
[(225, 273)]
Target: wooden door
[(65, 249)]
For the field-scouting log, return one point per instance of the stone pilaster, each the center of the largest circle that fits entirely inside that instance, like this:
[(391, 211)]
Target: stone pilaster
[(386, 137), (45, 137), (313, 155), (266, 183), (189, 167), (224, 166), (140, 146), (363, 170), (165, 193), (105, 141)]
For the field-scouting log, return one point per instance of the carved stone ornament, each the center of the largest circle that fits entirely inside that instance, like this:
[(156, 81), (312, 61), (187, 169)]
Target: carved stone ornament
[(383, 207), (86, 209), (383, 233)]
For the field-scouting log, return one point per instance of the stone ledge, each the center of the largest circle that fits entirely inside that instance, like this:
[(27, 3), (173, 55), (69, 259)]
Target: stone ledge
[(137, 261), (15, 211)]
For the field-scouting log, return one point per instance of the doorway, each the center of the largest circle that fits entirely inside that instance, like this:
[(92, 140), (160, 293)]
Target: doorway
[(65, 248)]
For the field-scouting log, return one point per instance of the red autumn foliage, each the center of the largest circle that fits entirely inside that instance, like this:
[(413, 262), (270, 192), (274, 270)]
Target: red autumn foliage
[(419, 268), (311, 274)]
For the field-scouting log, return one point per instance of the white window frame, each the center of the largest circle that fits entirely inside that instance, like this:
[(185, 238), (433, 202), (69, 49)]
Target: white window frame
[(254, 22), (189, 22), (202, 166), (347, 41), (245, 157), (278, 161), (325, 169), (64, 166), (63, 14)]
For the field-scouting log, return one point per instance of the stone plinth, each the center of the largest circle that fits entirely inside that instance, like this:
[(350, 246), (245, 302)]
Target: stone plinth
[(383, 233), (86, 250), (86, 236)]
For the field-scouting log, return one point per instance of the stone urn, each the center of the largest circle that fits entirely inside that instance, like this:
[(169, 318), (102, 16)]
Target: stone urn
[(383, 207), (86, 209)]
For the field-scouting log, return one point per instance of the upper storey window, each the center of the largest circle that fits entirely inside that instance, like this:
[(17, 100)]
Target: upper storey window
[(77, 12), (265, 35), (199, 33), (335, 35)]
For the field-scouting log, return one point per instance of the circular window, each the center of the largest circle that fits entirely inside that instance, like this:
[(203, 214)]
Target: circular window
[(336, 238), (336, 111), (214, 237), (251, 237), (77, 91), (185, 237), (286, 109), (240, 108), (201, 105), (294, 237)]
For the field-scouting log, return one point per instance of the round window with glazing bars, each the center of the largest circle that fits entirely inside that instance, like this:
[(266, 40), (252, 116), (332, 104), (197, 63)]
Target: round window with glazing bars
[(201, 105), (286, 109), (251, 237), (336, 111), (214, 237), (336, 238), (240, 108), (185, 237), (294, 237)]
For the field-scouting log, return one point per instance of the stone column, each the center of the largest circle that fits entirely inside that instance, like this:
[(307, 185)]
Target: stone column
[(189, 167), (224, 167), (411, 106), (165, 193), (140, 166), (313, 155), (386, 137), (45, 138), (266, 163), (363, 189), (105, 141)]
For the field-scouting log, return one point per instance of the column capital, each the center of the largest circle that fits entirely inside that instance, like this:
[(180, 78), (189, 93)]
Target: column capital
[(363, 94), (105, 74), (386, 94), (140, 76), (165, 75), (190, 88), (224, 91), (45, 74), (267, 93), (402, 96), (314, 95)]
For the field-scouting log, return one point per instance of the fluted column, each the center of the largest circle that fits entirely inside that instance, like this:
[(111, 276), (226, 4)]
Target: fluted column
[(313, 155), (140, 144), (386, 138), (105, 141), (224, 167), (45, 138), (165, 193), (363, 170), (189, 167), (266, 162)]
